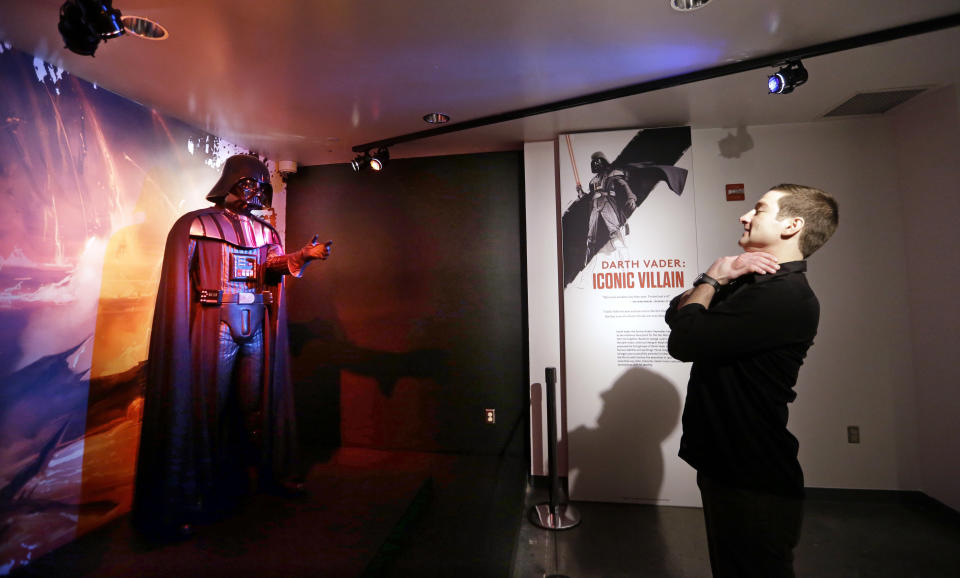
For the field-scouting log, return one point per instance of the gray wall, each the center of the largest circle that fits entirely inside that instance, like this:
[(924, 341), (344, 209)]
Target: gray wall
[(928, 141)]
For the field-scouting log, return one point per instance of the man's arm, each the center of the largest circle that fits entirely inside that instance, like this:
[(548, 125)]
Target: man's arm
[(701, 295), (735, 327), (725, 270)]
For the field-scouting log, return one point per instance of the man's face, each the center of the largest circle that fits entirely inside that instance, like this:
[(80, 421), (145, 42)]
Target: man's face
[(761, 227)]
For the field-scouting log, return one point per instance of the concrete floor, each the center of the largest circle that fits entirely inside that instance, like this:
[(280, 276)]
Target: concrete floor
[(846, 534), (368, 513), (371, 514)]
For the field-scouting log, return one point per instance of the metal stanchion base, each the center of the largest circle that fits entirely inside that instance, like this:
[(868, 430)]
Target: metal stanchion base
[(565, 518)]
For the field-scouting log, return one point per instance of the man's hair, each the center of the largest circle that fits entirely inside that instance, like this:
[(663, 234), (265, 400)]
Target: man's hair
[(818, 210)]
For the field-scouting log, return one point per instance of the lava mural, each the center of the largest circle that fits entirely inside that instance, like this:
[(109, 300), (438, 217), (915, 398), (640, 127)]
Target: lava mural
[(90, 183)]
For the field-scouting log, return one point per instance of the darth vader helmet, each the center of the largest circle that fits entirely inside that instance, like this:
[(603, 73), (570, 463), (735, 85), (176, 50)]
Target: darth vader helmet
[(598, 162), (244, 185)]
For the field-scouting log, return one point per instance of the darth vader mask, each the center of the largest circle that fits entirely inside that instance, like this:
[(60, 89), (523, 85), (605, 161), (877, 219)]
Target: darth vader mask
[(598, 163), (244, 185), (248, 194)]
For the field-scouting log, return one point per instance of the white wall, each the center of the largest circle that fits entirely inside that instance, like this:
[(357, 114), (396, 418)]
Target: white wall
[(543, 293), (860, 370), (928, 138)]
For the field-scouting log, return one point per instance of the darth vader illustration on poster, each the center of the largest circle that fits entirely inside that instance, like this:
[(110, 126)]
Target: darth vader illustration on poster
[(597, 220)]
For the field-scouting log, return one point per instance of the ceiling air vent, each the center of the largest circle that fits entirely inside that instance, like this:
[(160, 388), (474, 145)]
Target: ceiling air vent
[(874, 102)]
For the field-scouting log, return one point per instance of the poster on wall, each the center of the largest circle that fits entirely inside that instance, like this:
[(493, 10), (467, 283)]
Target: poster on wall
[(92, 184), (629, 245)]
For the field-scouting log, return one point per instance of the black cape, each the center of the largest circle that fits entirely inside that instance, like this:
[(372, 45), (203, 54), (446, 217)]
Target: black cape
[(188, 464)]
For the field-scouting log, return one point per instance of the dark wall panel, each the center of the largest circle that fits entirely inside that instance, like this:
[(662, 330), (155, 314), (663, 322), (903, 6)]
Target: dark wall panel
[(416, 324)]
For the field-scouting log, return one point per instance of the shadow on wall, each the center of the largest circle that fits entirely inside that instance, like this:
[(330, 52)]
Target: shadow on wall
[(320, 350), (416, 320), (621, 460), (734, 145)]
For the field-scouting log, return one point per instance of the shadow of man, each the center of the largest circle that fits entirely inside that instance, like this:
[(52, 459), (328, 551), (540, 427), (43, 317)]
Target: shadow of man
[(621, 460)]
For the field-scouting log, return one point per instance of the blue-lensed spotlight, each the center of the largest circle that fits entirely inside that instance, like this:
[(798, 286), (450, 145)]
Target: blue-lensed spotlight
[(789, 77), (775, 84)]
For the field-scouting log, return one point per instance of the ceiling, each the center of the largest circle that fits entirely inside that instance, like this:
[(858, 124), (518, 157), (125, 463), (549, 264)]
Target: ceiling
[(307, 80)]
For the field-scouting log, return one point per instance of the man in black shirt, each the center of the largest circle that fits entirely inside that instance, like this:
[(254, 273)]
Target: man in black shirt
[(746, 325)]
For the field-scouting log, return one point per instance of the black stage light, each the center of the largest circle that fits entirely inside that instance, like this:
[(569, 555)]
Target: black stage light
[(103, 17), (791, 75), (379, 160), (84, 23), (360, 162)]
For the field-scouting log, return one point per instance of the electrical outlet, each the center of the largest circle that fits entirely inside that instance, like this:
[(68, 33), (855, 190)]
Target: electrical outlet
[(490, 416), (853, 434)]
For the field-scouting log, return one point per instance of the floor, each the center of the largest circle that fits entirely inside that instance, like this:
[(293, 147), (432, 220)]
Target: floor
[(846, 534), (355, 498), (404, 514), (368, 513)]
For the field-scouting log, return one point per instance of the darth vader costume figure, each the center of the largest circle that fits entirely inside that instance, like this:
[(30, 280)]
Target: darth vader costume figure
[(218, 417), (612, 202)]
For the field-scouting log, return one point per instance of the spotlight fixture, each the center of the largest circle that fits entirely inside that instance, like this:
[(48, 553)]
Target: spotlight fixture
[(374, 162), (380, 159), (791, 75), (84, 23), (360, 162)]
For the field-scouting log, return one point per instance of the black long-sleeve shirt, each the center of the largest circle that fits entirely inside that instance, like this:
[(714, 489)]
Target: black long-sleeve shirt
[(746, 349)]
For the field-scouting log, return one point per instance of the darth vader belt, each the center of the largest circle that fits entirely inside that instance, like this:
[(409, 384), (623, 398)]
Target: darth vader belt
[(217, 297)]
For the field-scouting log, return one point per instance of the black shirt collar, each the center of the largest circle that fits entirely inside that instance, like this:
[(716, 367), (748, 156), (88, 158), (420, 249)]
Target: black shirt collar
[(785, 269)]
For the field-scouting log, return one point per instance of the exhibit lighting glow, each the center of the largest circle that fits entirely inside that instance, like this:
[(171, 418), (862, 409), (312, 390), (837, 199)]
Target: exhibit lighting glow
[(775, 83), (379, 160), (791, 75)]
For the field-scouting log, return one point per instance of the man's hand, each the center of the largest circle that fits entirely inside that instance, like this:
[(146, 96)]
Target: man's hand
[(631, 203), (726, 269), (580, 192), (314, 250)]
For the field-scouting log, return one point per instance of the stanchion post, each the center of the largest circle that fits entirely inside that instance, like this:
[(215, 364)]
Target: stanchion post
[(552, 449), (554, 515)]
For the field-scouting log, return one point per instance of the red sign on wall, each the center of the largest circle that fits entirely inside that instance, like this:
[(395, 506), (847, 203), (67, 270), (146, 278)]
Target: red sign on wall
[(735, 192)]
